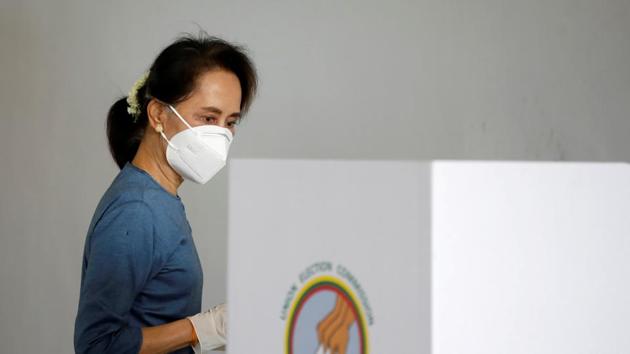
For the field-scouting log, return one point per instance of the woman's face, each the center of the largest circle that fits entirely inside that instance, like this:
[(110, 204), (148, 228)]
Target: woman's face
[(216, 99)]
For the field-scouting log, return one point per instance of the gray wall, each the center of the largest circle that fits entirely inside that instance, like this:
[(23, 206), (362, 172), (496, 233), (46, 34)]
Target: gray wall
[(526, 80)]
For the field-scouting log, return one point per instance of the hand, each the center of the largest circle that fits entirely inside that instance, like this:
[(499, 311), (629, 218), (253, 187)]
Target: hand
[(210, 329), (333, 331)]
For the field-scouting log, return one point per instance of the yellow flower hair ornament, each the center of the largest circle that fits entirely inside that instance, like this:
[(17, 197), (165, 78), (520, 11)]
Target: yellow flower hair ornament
[(132, 98)]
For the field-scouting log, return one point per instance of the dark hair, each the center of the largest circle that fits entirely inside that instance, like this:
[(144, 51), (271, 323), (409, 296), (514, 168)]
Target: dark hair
[(172, 78)]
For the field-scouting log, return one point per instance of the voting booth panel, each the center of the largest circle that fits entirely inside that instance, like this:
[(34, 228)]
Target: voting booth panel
[(306, 237), (427, 257), (530, 257)]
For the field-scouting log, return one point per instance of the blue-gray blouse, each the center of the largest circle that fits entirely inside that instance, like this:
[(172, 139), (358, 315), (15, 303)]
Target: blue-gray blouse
[(140, 266)]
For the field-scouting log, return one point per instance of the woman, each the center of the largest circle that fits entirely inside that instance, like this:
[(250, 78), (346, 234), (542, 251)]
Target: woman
[(141, 279)]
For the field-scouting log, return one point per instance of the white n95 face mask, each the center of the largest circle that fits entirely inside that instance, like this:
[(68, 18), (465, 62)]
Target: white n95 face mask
[(198, 153)]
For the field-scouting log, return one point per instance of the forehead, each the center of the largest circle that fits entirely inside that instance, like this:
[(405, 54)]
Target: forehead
[(220, 88)]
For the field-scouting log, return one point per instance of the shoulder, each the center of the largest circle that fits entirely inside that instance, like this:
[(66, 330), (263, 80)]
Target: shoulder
[(134, 205), (127, 229)]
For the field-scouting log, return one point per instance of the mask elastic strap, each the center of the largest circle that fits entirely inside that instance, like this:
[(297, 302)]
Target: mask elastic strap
[(169, 143), (182, 119)]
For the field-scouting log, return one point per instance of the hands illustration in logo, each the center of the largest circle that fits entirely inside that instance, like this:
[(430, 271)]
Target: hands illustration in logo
[(333, 332)]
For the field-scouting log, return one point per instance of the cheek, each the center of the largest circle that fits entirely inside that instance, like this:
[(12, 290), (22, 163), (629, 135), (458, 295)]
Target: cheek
[(174, 128)]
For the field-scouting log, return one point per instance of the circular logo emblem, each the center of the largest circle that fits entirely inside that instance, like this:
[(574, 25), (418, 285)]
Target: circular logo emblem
[(325, 317)]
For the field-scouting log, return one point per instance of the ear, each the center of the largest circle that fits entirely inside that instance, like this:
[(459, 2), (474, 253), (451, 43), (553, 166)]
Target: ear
[(156, 114)]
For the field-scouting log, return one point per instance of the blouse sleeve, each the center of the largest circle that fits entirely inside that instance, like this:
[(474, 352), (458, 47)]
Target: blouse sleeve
[(119, 262)]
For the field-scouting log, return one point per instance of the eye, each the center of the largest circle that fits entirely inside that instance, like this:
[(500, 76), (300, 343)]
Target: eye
[(208, 119)]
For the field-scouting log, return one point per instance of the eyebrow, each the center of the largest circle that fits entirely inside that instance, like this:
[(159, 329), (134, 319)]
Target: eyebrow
[(218, 111)]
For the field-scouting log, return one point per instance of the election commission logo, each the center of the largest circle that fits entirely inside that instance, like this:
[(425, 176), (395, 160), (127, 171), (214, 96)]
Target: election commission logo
[(328, 314)]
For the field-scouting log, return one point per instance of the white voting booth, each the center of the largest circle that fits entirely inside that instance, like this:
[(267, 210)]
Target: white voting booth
[(446, 257)]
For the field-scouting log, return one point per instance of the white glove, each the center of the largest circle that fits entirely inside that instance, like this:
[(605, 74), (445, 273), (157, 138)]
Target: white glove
[(210, 328)]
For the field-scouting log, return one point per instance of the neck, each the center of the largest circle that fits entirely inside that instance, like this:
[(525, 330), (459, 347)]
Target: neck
[(151, 158)]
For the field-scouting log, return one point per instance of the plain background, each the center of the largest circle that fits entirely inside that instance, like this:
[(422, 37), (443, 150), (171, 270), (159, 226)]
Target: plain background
[(486, 79)]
